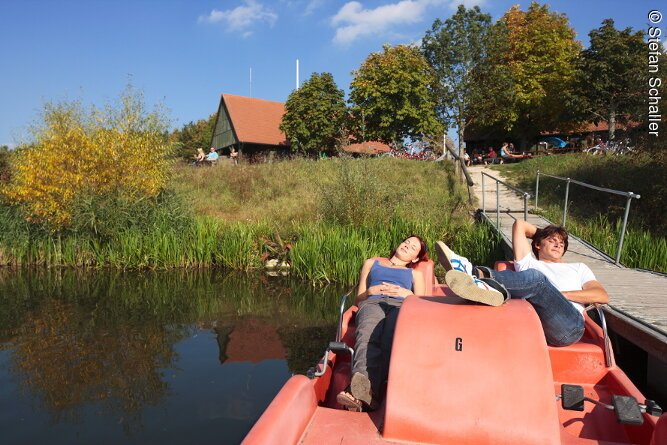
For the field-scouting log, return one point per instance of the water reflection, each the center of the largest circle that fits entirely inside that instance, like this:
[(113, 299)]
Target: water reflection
[(124, 353)]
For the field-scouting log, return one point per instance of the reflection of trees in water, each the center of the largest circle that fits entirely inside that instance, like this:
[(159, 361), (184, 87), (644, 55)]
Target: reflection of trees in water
[(67, 361), (168, 297), (305, 344), (82, 338)]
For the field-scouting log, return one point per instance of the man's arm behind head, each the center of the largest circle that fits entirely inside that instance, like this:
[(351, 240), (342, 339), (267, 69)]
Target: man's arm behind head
[(522, 231)]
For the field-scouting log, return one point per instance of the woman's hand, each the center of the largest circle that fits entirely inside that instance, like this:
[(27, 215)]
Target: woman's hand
[(389, 289), (376, 290)]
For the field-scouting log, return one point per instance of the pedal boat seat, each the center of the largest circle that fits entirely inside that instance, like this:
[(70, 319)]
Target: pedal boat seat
[(470, 374)]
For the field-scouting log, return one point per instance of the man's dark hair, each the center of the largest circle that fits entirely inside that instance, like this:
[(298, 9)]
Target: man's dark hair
[(548, 232)]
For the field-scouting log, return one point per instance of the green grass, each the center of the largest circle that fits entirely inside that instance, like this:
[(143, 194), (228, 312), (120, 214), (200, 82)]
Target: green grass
[(305, 190), (597, 216), (324, 217)]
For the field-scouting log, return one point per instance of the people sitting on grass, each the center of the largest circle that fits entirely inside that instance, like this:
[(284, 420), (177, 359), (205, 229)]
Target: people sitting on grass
[(200, 156), (556, 289), (477, 157), (383, 285), (492, 157), (212, 156), (507, 156)]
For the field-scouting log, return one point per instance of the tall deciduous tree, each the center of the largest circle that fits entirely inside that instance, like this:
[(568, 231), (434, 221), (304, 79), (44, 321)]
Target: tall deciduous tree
[(457, 51), (614, 74), (540, 55), (391, 96), (315, 115)]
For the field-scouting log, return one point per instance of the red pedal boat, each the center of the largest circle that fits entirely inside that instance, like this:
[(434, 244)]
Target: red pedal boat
[(463, 373)]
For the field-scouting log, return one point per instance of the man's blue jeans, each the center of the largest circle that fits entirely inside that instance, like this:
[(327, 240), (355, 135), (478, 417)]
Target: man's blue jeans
[(561, 321)]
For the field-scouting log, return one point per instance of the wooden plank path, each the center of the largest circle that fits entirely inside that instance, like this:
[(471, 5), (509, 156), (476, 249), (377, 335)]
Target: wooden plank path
[(640, 294)]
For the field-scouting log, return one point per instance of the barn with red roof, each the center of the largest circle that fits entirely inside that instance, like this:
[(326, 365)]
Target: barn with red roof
[(249, 125)]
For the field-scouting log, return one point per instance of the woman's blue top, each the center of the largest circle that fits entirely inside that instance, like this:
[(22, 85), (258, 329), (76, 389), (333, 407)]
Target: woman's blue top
[(382, 274)]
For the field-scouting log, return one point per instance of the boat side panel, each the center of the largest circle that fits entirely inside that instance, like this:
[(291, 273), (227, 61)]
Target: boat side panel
[(286, 418), (660, 433)]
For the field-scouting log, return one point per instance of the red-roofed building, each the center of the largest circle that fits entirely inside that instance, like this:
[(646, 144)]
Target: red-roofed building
[(249, 125)]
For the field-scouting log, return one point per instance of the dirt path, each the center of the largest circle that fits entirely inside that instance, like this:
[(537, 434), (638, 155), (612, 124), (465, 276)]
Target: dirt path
[(509, 200)]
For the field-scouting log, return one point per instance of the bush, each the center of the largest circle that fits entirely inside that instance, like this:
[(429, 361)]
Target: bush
[(119, 154)]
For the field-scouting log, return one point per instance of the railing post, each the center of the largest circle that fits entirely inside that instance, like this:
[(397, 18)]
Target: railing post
[(537, 188), (483, 196), (525, 206), (567, 196), (497, 204), (625, 223)]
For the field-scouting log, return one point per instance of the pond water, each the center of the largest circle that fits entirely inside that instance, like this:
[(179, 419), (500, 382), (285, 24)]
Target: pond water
[(165, 357)]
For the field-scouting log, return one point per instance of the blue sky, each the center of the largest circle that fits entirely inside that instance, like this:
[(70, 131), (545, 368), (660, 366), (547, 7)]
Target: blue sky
[(185, 53)]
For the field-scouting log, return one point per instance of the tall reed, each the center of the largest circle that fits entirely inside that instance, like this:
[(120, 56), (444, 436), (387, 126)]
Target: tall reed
[(321, 252)]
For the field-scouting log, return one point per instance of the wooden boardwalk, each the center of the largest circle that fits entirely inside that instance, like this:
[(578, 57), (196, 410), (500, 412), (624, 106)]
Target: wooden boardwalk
[(639, 294)]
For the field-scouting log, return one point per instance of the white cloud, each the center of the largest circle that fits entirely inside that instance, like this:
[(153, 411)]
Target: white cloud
[(242, 17), (312, 6), (353, 21)]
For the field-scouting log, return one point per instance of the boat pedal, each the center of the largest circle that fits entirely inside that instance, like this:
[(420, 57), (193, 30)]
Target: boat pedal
[(627, 410), (572, 397)]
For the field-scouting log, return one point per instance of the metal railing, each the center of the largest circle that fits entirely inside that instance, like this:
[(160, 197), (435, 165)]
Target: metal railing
[(526, 195), (628, 195)]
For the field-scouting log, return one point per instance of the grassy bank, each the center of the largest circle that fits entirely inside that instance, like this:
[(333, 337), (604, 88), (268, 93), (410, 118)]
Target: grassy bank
[(597, 216), (323, 217), (333, 190)]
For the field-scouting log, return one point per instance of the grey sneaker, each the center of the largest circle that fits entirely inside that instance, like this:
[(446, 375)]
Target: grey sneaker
[(471, 289), (360, 388)]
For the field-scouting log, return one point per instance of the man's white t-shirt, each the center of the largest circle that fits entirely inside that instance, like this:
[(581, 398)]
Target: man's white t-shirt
[(564, 276)]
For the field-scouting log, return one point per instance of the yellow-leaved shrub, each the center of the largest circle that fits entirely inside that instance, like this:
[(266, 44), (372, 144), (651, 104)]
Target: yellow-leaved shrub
[(121, 152)]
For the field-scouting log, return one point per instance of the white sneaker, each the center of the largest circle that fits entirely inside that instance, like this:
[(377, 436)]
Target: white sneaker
[(452, 261)]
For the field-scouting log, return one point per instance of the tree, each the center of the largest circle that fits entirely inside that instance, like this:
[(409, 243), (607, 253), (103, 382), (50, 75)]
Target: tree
[(457, 52), (391, 96), (314, 119), (192, 136), (540, 55), (614, 74)]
